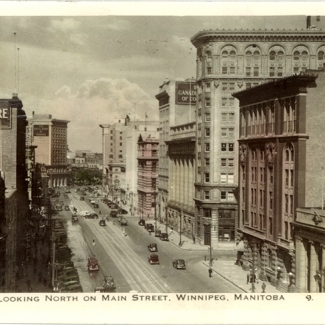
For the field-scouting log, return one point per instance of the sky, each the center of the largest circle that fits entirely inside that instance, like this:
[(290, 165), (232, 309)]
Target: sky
[(90, 70)]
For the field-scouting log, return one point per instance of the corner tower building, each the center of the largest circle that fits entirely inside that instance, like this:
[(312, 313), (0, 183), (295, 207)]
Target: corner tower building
[(229, 61)]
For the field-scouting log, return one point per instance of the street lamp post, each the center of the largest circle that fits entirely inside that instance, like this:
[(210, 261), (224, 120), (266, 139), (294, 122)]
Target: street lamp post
[(210, 258), (166, 219)]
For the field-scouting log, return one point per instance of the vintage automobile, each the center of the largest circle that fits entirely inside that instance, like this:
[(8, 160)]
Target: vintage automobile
[(113, 214), (122, 211), (82, 198), (179, 264), (95, 205), (153, 247), (102, 222), (164, 236), (142, 222), (73, 288), (92, 216), (66, 208), (150, 227), (153, 259), (157, 233), (108, 285), (92, 264)]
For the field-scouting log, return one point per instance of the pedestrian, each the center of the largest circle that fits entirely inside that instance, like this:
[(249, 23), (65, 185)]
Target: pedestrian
[(210, 272), (94, 243), (263, 287), (193, 239)]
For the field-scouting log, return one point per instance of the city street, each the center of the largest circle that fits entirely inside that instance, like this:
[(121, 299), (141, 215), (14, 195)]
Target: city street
[(125, 258)]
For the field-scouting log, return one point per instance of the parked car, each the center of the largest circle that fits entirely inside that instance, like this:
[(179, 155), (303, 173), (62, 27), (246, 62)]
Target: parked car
[(153, 259), (122, 211), (66, 208), (82, 198), (95, 205), (142, 222), (179, 264), (150, 227), (164, 236), (74, 218), (123, 221), (157, 233), (153, 247), (92, 216), (74, 288), (84, 213), (92, 264), (113, 214), (102, 222)]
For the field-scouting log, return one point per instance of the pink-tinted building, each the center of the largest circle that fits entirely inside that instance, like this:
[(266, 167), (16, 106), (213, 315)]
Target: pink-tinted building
[(148, 147)]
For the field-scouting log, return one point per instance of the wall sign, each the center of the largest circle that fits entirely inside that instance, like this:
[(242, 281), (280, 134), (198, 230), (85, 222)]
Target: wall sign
[(185, 93), (41, 131), (5, 114)]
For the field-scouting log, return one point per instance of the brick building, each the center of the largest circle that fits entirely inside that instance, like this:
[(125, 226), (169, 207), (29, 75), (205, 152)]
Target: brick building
[(147, 175), (281, 154)]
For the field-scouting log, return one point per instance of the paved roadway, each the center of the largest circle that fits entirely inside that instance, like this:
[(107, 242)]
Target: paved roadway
[(125, 258)]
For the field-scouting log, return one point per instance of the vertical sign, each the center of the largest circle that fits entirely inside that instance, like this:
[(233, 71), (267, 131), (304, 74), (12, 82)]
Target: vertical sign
[(5, 114), (185, 93)]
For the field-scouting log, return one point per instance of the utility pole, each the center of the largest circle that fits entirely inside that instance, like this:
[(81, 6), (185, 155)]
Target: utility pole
[(180, 229)]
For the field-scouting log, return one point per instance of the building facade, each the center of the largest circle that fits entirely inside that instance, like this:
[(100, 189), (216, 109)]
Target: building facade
[(280, 131), (148, 147), (119, 145), (229, 61), (14, 210), (50, 137), (177, 131)]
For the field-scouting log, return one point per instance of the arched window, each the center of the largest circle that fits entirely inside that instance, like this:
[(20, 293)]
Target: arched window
[(228, 60), (320, 56), (252, 62), (208, 66), (276, 62), (272, 55), (300, 59)]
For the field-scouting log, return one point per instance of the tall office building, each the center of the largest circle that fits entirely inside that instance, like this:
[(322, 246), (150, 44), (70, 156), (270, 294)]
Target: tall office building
[(14, 205), (51, 138), (119, 145), (177, 131), (229, 61)]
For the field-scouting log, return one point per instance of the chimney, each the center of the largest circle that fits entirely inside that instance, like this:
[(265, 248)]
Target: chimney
[(308, 22), (14, 96)]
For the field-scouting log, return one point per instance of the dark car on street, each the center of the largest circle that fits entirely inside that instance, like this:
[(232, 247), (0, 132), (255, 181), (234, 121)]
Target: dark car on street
[(82, 198), (66, 208), (153, 247), (102, 222), (179, 264), (153, 259), (157, 233), (142, 222), (164, 236), (122, 211), (92, 264), (92, 216), (150, 227)]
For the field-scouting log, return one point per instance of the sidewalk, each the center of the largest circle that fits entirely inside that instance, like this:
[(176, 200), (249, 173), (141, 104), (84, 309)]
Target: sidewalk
[(223, 263)]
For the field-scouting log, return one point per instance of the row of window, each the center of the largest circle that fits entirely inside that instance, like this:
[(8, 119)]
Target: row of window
[(224, 196)]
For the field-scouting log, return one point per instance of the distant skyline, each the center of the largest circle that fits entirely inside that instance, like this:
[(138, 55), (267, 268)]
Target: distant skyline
[(91, 70)]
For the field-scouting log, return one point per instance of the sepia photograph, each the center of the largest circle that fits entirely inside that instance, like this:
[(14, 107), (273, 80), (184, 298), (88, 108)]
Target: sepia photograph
[(167, 160)]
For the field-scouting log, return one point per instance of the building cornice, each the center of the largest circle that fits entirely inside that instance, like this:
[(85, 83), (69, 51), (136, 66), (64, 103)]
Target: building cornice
[(206, 36)]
